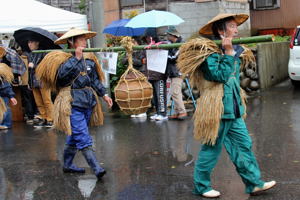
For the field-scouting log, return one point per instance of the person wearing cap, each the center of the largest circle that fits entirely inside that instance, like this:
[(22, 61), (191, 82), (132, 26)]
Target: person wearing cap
[(222, 69), (83, 77), (173, 73)]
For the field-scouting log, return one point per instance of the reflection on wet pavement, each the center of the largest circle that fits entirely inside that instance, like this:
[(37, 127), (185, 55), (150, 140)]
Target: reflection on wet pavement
[(153, 160)]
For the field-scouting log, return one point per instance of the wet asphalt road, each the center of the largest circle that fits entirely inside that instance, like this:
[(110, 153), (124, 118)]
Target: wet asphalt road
[(153, 160)]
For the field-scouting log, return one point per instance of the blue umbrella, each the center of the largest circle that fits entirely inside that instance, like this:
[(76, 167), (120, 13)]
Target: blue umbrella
[(117, 28), (154, 19)]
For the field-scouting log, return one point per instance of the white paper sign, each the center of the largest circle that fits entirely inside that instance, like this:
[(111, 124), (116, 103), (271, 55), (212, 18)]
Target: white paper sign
[(5, 43), (157, 60), (109, 61)]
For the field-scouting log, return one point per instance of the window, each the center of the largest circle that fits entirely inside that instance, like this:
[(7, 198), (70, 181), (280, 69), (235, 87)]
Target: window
[(266, 4), (131, 2)]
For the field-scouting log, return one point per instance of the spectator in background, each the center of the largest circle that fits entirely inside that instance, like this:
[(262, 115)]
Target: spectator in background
[(42, 96), (158, 81), (173, 73)]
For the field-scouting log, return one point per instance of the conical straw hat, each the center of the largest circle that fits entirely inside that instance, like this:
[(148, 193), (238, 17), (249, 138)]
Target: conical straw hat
[(207, 28), (74, 32), (2, 52)]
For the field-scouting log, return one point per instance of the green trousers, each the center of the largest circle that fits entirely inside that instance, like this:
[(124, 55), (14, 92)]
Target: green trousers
[(234, 135)]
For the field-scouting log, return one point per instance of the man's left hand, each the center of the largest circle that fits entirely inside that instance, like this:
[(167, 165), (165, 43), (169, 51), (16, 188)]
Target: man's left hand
[(108, 100)]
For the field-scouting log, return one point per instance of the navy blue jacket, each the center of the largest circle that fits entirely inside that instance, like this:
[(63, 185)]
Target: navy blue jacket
[(6, 89), (81, 75)]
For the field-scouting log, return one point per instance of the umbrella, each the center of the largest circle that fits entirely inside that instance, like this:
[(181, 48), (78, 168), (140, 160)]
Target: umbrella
[(154, 19), (117, 28), (45, 38)]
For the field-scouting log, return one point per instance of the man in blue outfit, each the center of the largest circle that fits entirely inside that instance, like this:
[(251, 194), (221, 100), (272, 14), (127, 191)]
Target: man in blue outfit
[(83, 78)]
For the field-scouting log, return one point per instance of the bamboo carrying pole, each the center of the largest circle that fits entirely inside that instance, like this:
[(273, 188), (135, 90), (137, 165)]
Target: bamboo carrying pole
[(245, 40)]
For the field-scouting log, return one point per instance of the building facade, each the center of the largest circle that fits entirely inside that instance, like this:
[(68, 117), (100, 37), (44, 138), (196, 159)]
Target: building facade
[(275, 16)]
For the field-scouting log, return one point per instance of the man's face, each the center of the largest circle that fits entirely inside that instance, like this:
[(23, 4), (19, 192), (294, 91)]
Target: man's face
[(80, 41), (171, 37), (231, 29), (33, 45)]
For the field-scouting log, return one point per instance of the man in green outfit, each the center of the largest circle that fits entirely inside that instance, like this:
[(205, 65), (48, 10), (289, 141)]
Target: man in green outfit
[(223, 68)]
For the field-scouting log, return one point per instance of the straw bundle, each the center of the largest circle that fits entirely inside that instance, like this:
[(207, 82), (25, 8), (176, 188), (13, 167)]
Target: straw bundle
[(2, 108), (62, 111), (133, 92), (6, 73), (2, 52), (97, 114), (47, 69), (192, 55), (247, 59)]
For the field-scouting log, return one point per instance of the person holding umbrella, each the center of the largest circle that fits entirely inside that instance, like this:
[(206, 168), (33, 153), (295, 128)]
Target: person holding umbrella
[(158, 81), (42, 96), (30, 39)]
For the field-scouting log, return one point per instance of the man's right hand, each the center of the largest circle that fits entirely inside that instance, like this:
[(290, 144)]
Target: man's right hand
[(227, 45), (79, 52)]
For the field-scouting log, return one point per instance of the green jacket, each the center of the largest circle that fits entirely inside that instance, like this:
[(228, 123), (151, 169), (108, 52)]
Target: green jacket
[(226, 69)]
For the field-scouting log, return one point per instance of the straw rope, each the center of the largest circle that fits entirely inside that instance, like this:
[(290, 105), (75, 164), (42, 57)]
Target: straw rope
[(6, 73), (2, 108), (133, 92), (62, 111), (2, 52)]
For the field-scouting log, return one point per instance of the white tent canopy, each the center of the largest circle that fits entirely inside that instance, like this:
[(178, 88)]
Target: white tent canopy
[(17, 14)]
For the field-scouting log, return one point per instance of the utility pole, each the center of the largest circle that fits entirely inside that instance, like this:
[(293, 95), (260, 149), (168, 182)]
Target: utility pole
[(96, 8), (97, 21)]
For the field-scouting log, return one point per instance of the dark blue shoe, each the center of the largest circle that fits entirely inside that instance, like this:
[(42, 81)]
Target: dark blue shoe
[(91, 159), (69, 167), (73, 169), (100, 175)]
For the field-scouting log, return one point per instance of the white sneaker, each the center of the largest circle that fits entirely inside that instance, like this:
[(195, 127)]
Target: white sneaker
[(3, 127), (267, 186), (141, 115), (211, 194), (132, 116), (153, 117), (161, 118)]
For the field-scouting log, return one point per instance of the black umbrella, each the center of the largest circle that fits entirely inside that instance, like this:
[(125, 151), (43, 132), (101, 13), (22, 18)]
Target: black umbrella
[(46, 39)]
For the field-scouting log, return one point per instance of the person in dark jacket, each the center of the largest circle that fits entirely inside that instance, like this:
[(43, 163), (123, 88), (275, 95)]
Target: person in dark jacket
[(42, 96), (158, 81), (8, 95), (173, 73), (81, 76)]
